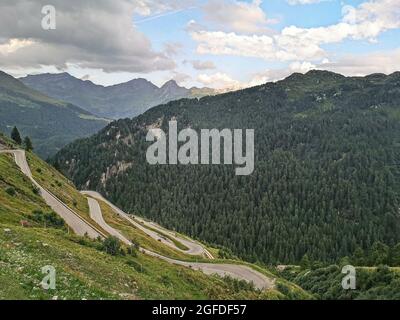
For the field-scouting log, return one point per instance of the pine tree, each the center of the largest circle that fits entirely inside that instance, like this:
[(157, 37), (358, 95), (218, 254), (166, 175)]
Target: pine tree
[(358, 257), (305, 262), (395, 255), (379, 253), (28, 144), (16, 136)]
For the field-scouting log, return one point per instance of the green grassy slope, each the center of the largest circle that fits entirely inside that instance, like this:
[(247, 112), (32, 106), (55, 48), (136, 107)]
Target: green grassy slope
[(14, 208)]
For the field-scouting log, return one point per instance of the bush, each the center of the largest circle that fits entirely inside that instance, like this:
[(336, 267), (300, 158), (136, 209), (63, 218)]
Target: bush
[(11, 191), (87, 242), (35, 190), (112, 245), (225, 253), (283, 288), (50, 219), (237, 285)]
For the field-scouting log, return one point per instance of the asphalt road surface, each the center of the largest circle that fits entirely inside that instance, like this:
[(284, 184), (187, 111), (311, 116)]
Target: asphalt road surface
[(195, 248), (97, 216), (236, 271)]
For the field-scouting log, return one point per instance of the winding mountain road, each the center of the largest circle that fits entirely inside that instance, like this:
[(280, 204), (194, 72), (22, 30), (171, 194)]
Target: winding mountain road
[(195, 248), (82, 227), (236, 271), (97, 216)]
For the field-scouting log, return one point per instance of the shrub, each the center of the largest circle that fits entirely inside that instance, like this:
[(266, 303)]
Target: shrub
[(225, 253), (35, 190), (50, 219), (112, 245), (282, 288), (237, 285), (11, 191)]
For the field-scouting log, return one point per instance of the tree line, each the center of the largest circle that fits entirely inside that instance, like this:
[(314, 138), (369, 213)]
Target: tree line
[(16, 137)]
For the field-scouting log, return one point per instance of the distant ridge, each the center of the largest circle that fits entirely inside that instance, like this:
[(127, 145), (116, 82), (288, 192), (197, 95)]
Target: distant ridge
[(124, 100), (49, 122)]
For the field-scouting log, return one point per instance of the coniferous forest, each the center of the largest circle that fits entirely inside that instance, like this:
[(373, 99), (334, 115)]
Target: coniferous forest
[(326, 182)]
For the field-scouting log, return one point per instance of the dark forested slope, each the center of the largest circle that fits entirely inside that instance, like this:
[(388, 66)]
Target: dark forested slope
[(326, 178)]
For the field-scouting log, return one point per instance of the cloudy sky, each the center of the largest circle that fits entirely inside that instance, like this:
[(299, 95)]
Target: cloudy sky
[(214, 43)]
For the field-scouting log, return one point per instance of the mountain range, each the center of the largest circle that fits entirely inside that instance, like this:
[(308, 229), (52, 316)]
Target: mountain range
[(326, 181), (49, 122), (125, 100)]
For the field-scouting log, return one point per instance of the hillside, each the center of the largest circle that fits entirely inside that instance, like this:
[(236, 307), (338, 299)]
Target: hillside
[(326, 177), (378, 283), (125, 100), (32, 235), (51, 124)]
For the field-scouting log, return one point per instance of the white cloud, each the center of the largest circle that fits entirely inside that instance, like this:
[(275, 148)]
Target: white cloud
[(13, 45), (301, 67), (218, 42), (220, 81), (238, 16), (367, 21), (282, 48), (348, 65), (279, 74), (224, 82), (362, 65), (90, 33)]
